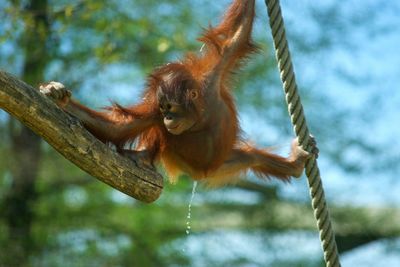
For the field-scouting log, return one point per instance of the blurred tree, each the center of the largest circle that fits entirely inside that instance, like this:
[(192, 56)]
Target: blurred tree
[(25, 145), (50, 39), (54, 215)]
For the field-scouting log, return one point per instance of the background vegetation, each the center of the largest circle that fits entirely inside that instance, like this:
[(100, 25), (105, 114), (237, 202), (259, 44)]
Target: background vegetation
[(347, 64)]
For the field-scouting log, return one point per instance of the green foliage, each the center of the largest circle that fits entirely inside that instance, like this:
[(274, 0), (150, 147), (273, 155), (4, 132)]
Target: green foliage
[(93, 46)]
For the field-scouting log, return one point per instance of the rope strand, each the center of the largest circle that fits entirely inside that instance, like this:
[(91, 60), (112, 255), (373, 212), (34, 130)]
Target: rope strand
[(296, 112)]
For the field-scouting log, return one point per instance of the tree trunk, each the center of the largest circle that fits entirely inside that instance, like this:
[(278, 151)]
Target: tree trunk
[(25, 145)]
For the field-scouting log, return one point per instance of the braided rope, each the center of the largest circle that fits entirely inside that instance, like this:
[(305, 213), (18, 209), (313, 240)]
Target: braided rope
[(295, 108)]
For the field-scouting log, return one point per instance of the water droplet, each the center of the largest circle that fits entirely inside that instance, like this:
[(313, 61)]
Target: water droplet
[(189, 215)]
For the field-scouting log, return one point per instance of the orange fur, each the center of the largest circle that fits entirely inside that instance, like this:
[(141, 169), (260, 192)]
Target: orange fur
[(210, 146)]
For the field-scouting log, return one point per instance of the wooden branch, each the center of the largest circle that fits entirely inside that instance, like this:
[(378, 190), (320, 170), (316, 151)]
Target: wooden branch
[(75, 143)]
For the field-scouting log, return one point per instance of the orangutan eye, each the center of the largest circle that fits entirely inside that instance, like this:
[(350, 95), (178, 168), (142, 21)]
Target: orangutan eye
[(166, 107)]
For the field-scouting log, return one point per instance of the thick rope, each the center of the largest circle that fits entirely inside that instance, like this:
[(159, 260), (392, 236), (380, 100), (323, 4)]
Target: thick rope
[(295, 107)]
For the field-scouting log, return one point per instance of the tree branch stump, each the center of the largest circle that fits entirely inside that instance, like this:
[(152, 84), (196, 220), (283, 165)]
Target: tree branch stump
[(66, 134)]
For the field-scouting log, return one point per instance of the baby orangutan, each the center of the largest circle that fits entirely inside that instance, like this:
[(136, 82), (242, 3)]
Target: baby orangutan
[(187, 119)]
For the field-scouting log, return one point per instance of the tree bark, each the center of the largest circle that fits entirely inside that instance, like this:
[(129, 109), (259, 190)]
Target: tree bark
[(75, 143)]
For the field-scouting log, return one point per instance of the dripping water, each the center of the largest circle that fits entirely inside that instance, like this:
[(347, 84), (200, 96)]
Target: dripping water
[(189, 214)]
